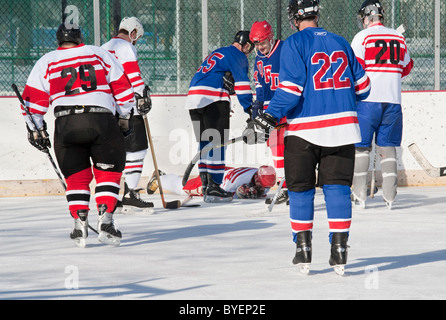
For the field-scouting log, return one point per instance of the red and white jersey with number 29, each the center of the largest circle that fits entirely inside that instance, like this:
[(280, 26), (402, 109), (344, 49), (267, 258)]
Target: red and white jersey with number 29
[(80, 75)]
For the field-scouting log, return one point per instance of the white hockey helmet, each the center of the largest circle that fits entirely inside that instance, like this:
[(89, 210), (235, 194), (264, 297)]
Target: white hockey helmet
[(132, 23)]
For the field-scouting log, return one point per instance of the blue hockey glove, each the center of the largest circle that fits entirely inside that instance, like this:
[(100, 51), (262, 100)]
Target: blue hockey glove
[(256, 109)]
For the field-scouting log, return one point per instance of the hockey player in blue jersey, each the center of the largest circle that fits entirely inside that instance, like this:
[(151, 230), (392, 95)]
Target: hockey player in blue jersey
[(320, 82), (222, 73), (266, 78)]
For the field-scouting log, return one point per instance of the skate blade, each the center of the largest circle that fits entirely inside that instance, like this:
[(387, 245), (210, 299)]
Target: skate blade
[(80, 242), (339, 269), (108, 239), (118, 210), (215, 199), (129, 210), (304, 268), (359, 204)]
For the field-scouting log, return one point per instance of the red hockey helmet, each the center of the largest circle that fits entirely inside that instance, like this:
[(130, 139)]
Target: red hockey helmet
[(266, 176), (260, 31)]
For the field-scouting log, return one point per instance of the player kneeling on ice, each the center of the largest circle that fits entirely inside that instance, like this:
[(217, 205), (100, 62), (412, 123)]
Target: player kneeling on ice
[(86, 86), (244, 182)]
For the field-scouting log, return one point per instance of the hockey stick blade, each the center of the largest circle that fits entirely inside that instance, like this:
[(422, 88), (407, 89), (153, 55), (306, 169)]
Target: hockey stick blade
[(172, 204), (425, 164), (184, 203)]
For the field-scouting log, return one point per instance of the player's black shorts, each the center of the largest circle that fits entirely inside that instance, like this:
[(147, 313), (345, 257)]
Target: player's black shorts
[(81, 137), (214, 116), (308, 165), (137, 139)]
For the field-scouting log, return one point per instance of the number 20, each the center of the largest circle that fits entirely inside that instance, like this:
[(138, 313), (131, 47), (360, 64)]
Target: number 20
[(327, 60)]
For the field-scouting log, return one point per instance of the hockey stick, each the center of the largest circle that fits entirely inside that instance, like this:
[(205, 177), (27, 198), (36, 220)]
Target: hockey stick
[(208, 148), (167, 205), (424, 163), (204, 151), (46, 150), (273, 202), (185, 201)]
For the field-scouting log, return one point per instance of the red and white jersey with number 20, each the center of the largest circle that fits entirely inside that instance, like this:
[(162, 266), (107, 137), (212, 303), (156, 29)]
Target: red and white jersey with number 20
[(384, 56), (80, 75)]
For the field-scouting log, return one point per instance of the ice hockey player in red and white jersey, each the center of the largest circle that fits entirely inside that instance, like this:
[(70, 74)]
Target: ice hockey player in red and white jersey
[(123, 48), (87, 86), (244, 182), (384, 55)]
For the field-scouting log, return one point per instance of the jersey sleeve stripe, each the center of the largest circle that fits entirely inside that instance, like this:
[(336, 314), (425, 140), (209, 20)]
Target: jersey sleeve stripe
[(291, 88), (36, 99), (208, 91), (362, 85)]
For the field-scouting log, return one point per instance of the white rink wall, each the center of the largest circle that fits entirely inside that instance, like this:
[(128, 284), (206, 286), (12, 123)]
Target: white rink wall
[(26, 171)]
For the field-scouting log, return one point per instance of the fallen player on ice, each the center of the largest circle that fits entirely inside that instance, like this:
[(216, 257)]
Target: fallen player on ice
[(243, 182)]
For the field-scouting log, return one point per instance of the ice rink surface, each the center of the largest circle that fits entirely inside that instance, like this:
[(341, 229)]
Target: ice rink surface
[(235, 251)]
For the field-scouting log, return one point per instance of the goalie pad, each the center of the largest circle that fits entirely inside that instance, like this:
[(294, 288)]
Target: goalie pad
[(389, 172), (362, 161)]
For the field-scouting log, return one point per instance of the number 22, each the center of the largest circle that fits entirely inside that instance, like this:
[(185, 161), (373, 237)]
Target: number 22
[(337, 82)]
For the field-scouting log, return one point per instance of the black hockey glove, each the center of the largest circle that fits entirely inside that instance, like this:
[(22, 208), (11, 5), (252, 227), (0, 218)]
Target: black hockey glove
[(252, 135), (144, 103), (125, 123), (228, 82), (39, 139), (265, 122)]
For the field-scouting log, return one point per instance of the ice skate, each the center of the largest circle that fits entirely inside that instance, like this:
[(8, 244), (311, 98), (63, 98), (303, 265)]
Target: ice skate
[(214, 193), (132, 202), (339, 252), (204, 182), (108, 233), (152, 185), (282, 198), (80, 231), (357, 202), (389, 204), (302, 258)]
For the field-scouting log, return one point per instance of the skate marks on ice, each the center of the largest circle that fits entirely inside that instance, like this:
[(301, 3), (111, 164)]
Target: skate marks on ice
[(188, 202), (217, 252)]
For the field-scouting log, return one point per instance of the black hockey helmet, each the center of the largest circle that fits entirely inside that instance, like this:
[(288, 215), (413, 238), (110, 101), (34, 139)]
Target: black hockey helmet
[(69, 33), (302, 9), (242, 37), (370, 8)]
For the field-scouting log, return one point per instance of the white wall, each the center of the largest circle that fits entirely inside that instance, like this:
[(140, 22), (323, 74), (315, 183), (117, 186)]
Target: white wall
[(174, 142)]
